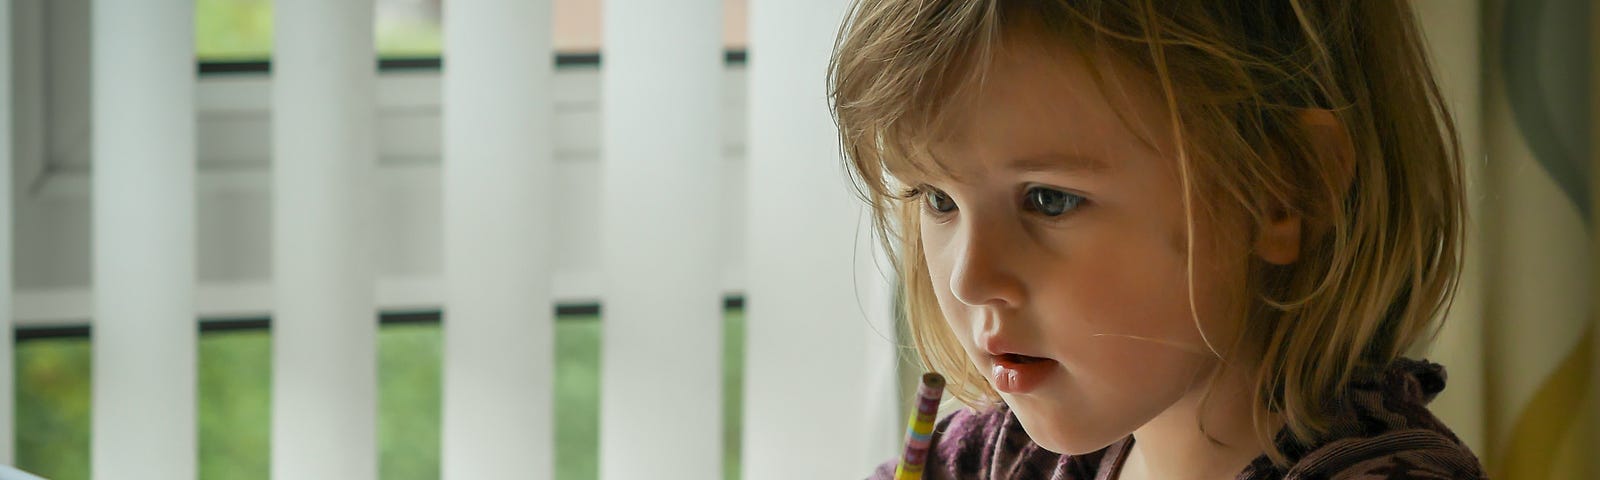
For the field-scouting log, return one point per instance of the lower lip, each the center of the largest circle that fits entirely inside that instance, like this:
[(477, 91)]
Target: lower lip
[(1012, 377)]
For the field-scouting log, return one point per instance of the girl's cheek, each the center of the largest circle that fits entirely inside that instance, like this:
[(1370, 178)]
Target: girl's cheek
[(1126, 284)]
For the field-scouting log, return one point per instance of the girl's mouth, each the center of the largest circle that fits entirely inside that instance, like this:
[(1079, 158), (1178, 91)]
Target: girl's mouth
[(1015, 374), (1021, 359)]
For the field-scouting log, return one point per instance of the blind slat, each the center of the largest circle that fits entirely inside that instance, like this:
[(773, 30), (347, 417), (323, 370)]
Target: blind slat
[(7, 377), (820, 347), (661, 385), (324, 365), (499, 201), (143, 400)]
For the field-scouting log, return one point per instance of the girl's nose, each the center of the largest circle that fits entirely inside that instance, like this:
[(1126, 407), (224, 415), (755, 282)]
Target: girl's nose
[(985, 272)]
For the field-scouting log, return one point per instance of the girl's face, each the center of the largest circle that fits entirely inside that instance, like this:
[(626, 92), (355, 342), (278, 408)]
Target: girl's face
[(1060, 234)]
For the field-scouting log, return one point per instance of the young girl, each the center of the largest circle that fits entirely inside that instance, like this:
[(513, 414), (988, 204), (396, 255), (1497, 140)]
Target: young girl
[(1163, 239)]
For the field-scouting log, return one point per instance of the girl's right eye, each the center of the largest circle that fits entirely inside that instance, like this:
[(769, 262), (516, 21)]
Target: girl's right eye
[(936, 202)]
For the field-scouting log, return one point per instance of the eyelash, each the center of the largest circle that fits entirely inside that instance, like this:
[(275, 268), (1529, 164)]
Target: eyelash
[(920, 194)]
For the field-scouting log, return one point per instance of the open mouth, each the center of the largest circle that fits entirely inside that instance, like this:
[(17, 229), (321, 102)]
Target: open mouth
[(1021, 359), (1018, 374)]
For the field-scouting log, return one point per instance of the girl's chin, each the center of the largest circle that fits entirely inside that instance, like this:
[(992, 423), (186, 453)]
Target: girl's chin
[(1063, 435)]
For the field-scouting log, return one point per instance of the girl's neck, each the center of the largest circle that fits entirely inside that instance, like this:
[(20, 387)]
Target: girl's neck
[(1172, 446)]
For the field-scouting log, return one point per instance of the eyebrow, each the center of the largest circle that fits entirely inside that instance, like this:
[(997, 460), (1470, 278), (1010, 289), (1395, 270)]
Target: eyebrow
[(1056, 162)]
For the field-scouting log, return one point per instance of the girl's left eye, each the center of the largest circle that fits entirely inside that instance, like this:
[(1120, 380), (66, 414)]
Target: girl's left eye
[(1051, 202)]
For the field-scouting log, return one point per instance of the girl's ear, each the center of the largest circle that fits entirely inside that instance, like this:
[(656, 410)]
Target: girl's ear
[(1279, 240), (1332, 142)]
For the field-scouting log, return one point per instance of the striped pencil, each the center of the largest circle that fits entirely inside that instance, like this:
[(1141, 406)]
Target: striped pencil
[(920, 428)]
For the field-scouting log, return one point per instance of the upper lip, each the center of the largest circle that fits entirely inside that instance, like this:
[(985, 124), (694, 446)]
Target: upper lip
[(996, 346)]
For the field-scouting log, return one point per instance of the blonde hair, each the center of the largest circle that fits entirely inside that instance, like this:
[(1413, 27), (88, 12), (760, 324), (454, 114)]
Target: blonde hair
[(1380, 252)]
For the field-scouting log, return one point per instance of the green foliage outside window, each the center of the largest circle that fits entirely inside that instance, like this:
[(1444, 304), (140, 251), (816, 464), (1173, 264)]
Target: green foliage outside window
[(235, 401), (236, 30)]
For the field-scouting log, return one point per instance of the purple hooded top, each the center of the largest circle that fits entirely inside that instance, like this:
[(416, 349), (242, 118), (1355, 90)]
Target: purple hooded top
[(1384, 431)]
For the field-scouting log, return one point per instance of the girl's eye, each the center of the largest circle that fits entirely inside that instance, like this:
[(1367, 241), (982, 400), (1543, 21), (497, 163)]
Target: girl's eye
[(1051, 202), (936, 201)]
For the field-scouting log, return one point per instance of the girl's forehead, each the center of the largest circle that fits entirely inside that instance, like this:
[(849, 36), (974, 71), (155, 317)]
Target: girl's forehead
[(1041, 111), (1046, 158)]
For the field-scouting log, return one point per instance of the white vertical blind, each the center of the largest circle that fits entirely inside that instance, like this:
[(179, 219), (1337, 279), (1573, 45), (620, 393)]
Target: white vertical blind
[(882, 424), (499, 351), (6, 372), (662, 311), (809, 353), (144, 250), (324, 328)]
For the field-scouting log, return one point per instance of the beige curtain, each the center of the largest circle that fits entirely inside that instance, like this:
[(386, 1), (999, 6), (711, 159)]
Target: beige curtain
[(1594, 241), (1519, 342), (1535, 282)]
